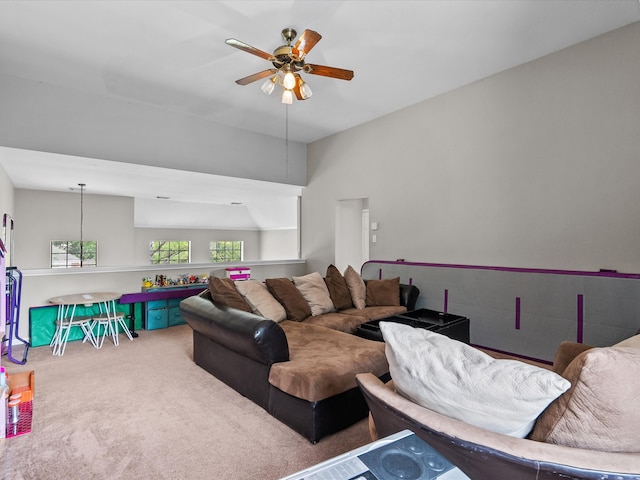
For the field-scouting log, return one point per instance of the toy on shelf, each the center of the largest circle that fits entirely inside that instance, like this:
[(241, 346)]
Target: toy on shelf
[(183, 279)]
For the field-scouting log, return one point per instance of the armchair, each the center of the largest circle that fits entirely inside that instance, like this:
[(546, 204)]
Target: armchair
[(482, 454)]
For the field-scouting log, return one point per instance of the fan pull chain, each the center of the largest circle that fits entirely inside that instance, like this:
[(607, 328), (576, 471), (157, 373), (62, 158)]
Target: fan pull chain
[(286, 141)]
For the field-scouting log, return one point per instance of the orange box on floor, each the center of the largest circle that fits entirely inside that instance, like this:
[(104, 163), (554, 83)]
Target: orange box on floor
[(24, 383)]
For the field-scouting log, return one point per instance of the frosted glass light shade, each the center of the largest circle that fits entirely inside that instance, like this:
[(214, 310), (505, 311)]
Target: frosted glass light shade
[(268, 86), (305, 90), (287, 97)]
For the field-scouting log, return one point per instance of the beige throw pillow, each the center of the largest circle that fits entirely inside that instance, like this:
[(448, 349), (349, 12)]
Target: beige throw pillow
[(629, 342), (315, 292), (461, 382), (260, 300), (356, 287), (600, 411)]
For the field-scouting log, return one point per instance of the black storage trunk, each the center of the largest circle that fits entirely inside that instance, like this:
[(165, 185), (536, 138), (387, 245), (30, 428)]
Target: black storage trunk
[(453, 326)]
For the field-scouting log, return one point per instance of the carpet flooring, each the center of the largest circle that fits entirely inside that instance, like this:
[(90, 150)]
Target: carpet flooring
[(144, 410)]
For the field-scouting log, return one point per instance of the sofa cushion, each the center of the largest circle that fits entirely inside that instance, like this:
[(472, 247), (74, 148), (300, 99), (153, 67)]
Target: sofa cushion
[(357, 288), (289, 297), (600, 411), (260, 300), (324, 362), (338, 289), (375, 313), (224, 292), (383, 292), (338, 321), (457, 380), (315, 292)]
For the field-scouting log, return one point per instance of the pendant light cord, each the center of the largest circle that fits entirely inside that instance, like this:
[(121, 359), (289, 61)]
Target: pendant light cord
[(82, 185), (286, 141)]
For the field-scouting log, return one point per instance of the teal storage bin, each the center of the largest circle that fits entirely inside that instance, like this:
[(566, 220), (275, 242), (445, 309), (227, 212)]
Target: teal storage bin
[(175, 318), (157, 318)]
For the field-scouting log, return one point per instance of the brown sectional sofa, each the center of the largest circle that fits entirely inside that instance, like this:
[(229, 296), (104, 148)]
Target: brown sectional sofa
[(301, 371)]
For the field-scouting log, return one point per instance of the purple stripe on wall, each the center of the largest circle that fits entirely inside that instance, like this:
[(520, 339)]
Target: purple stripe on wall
[(446, 301), (517, 313), (511, 269), (580, 319)]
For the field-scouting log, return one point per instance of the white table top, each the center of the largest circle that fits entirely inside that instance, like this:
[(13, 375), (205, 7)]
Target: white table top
[(84, 298)]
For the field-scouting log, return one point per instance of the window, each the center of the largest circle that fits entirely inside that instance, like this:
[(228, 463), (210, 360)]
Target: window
[(169, 251), (222, 252), (71, 254)]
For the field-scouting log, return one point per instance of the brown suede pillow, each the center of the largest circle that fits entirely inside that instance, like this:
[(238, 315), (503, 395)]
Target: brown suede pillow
[(566, 353), (224, 292), (338, 290), (356, 286), (383, 292), (290, 297), (600, 410)]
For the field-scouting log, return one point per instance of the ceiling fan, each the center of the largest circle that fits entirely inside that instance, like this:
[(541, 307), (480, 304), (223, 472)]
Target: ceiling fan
[(288, 60)]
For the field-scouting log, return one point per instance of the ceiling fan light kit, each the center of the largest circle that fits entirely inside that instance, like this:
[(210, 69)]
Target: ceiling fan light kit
[(288, 60)]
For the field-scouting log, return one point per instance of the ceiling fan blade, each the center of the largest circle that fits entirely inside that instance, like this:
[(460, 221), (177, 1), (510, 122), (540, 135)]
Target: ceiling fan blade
[(248, 48), (256, 76), (305, 43), (332, 72), (296, 91), (296, 88)]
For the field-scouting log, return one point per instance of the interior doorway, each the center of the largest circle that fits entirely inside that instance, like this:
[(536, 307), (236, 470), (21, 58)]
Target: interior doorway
[(352, 233)]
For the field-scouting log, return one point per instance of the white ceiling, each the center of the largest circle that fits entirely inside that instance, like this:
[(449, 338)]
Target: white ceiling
[(172, 55)]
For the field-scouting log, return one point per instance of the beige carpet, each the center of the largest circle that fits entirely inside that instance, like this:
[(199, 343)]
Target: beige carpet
[(145, 410)]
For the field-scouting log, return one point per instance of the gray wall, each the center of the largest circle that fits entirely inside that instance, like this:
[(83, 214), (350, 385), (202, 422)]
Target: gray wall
[(200, 240), (6, 193), (6, 207), (67, 121), (45, 216), (279, 244), (537, 166)]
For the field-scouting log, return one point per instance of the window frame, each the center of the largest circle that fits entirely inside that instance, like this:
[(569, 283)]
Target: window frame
[(236, 248), (173, 252), (87, 256)]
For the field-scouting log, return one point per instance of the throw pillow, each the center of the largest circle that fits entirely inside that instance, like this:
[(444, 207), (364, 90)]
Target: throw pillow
[(629, 342), (565, 354), (460, 381), (224, 292), (383, 292), (600, 411), (356, 287), (338, 290), (315, 292), (289, 297), (261, 301)]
